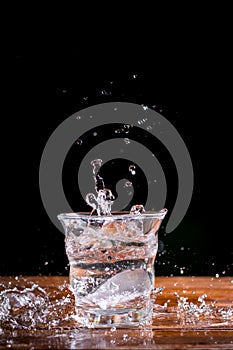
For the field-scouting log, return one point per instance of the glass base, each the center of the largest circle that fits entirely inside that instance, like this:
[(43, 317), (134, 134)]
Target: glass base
[(97, 318)]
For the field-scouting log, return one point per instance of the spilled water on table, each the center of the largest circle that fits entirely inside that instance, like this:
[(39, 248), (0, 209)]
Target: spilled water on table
[(25, 305)]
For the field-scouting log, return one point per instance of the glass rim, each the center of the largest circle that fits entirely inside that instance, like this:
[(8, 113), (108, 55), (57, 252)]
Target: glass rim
[(115, 214)]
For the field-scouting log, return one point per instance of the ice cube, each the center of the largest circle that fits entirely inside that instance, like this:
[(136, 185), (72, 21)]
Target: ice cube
[(122, 287)]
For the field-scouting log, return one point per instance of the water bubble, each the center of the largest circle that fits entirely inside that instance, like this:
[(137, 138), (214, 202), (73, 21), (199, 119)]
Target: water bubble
[(79, 142), (132, 169), (78, 231)]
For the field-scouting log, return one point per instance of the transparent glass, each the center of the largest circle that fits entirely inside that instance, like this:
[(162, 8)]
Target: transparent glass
[(112, 266)]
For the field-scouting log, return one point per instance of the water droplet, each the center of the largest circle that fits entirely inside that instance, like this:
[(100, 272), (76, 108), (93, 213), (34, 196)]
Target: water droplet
[(137, 209), (142, 121), (105, 93), (149, 127), (127, 127), (78, 117), (144, 107), (95, 133), (79, 142), (115, 109), (217, 275), (181, 248), (127, 141), (128, 184), (135, 76), (132, 169), (119, 131)]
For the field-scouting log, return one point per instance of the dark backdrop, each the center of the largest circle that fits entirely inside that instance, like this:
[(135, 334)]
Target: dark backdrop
[(187, 81)]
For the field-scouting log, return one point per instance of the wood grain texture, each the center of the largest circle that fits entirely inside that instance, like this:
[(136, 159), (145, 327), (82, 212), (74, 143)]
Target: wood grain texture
[(170, 329)]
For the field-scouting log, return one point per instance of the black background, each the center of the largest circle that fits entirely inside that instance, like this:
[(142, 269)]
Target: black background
[(186, 77)]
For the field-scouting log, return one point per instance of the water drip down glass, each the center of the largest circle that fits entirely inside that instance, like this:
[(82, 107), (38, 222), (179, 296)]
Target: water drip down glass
[(112, 266)]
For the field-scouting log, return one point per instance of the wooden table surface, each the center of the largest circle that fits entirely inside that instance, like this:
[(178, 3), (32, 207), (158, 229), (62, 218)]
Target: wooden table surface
[(173, 327)]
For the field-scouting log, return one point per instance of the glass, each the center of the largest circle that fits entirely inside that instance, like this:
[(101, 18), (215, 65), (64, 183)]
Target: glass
[(112, 266)]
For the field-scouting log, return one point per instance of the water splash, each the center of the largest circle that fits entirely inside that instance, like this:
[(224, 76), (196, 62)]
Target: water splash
[(102, 201), (28, 306)]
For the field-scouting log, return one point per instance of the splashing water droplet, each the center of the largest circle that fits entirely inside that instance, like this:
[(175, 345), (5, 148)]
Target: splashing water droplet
[(119, 131), (137, 209), (102, 202), (132, 169), (79, 142), (105, 93), (96, 163), (78, 117), (127, 128), (127, 141)]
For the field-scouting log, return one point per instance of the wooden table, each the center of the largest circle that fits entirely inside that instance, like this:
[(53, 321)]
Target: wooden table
[(170, 329)]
